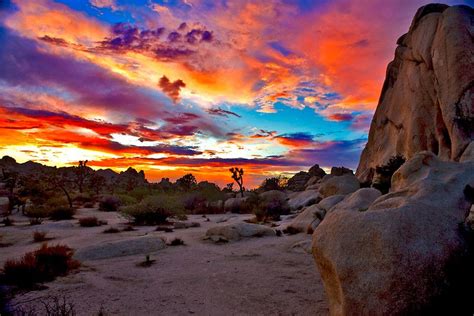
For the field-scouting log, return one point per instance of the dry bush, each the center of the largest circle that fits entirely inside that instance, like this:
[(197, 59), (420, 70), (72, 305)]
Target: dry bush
[(41, 265), (111, 230), (91, 221), (39, 236)]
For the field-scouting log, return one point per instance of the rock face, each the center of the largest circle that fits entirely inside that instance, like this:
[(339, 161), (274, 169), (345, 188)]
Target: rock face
[(344, 184), (406, 254), (427, 101)]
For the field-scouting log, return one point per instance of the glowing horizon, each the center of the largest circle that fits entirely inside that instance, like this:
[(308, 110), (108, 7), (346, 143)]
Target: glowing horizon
[(194, 86)]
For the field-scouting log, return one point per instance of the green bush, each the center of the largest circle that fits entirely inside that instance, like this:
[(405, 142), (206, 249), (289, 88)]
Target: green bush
[(154, 210), (126, 199), (62, 213), (268, 208)]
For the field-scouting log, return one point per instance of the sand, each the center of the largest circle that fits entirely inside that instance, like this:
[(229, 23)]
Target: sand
[(253, 276)]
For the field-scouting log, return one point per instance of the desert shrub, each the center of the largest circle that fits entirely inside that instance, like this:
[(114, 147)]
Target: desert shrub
[(269, 208), (109, 204), (82, 198), (195, 203), (36, 221), (129, 228), (90, 221), (154, 209), (39, 236), (37, 211), (61, 213), (41, 265), (55, 202), (275, 183), (88, 204), (383, 174), (111, 230), (59, 307), (176, 242), (138, 193), (7, 221), (126, 199)]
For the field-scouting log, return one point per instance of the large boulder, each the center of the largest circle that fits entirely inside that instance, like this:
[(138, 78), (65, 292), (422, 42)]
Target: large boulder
[(307, 220), (408, 252), (128, 247), (327, 203), (298, 181), (273, 195), (299, 200), (234, 232), (316, 171), (428, 95), (359, 201), (344, 184)]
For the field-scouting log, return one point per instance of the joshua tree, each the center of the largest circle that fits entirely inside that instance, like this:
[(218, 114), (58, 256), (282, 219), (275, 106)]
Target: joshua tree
[(238, 176), (82, 172), (97, 182)]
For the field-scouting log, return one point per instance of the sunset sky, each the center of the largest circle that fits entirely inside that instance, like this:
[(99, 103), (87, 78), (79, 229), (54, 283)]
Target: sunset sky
[(179, 86)]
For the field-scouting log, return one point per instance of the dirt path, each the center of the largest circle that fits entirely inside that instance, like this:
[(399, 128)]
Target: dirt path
[(257, 276)]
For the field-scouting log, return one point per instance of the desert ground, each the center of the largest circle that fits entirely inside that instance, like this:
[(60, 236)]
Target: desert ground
[(252, 276)]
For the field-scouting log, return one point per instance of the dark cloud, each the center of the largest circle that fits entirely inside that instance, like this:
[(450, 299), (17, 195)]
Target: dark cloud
[(297, 136), (341, 117), (24, 64), (222, 112), (171, 88), (160, 43)]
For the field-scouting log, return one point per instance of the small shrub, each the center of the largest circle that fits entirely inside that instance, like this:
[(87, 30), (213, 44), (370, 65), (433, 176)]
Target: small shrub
[(42, 265), (37, 211), (111, 230), (91, 221), (36, 221), (59, 307), (383, 174), (129, 228), (181, 217), (88, 205), (62, 213), (154, 210), (176, 242), (109, 204), (147, 262), (7, 221), (126, 199), (39, 236)]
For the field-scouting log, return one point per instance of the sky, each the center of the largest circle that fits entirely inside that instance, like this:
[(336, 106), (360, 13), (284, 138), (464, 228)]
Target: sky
[(194, 86)]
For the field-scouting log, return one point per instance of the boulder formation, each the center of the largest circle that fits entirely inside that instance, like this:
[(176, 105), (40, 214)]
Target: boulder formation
[(427, 100), (409, 252)]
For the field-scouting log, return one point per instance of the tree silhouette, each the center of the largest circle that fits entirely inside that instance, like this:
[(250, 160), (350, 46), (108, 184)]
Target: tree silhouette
[(81, 172), (187, 181), (238, 176)]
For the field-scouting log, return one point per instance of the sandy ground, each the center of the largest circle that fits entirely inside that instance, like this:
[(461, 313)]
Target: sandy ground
[(254, 276)]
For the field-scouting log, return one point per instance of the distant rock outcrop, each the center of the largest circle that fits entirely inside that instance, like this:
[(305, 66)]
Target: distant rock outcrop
[(427, 100)]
